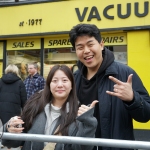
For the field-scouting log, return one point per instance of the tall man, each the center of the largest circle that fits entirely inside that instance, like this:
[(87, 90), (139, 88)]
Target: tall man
[(119, 90), (34, 82)]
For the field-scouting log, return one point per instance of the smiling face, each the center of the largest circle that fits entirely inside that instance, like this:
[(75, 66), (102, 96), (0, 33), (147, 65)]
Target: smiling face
[(89, 52), (60, 86)]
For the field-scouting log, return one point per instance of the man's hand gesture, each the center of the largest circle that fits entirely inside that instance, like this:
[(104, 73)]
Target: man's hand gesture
[(122, 90)]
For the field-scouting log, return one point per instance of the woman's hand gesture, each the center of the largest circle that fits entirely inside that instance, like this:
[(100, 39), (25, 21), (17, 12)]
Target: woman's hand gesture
[(84, 108)]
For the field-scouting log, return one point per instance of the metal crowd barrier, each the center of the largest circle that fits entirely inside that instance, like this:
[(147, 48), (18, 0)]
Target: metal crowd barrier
[(78, 140)]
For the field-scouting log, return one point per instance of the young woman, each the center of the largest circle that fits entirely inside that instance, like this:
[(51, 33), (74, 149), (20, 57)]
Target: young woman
[(54, 111)]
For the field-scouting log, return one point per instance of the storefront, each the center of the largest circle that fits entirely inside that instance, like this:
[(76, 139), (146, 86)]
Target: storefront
[(39, 33)]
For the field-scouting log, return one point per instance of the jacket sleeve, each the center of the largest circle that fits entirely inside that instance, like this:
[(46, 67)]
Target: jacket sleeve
[(87, 124), (139, 109), (11, 143), (23, 94)]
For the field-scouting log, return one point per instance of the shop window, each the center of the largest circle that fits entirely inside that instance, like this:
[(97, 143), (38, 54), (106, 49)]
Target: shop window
[(120, 53), (68, 56), (65, 56), (21, 58)]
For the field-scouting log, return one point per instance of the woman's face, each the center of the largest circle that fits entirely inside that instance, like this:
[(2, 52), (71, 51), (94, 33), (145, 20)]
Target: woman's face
[(60, 86)]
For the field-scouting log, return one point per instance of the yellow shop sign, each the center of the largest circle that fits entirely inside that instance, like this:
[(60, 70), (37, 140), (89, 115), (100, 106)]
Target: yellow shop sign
[(109, 39), (24, 44), (57, 42), (115, 39)]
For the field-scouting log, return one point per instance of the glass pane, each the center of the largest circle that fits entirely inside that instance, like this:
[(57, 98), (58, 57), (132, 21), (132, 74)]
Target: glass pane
[(21, 58), (120, 53), (65, 56)]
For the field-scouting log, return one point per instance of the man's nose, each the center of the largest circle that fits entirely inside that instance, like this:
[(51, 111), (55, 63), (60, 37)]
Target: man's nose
[(86, 49)]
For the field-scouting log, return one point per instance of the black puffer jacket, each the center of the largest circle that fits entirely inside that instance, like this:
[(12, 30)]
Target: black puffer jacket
[(12, 96)]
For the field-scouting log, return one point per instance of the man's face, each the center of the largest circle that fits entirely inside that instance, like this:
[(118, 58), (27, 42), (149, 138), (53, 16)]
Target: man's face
[(32, 70), (89, 51)]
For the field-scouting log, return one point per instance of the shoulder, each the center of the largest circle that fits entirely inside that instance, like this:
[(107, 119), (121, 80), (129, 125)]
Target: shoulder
[(76, 74), (39, 76), (118, 64), (119, 68), (21, 82), (27, 78), (121, 72)]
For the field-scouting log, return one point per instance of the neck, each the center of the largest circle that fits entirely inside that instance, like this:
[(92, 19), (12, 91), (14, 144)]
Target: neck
[(92, 71), (90, 74), (33, 74), (58, 103)]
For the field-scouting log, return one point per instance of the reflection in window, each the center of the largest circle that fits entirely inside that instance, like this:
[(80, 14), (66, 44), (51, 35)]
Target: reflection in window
[(21, 58), (120, 53), (55, 56), (59, 56)]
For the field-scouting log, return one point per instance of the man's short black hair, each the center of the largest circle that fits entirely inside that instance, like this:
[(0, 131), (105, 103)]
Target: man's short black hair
[(90, 30)]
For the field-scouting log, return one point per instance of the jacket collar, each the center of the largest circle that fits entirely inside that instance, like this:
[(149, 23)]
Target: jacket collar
[(35, 76), (112, 69)]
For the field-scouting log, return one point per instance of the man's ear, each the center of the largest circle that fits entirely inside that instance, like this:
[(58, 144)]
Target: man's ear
[(102, 44)]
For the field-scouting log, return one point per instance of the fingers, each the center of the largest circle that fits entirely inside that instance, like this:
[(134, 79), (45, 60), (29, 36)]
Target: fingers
[(93, 103), (84, 108), (115, 80), (122, 90), (130, 79), (15, 125), (15, 130), (15, 121), (115, 93)]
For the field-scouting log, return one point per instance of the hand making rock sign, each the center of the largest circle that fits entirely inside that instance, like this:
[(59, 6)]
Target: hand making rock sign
[(122, 90)]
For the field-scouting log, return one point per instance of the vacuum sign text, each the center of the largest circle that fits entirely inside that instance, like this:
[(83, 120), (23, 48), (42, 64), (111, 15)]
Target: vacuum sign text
[(94, 12)]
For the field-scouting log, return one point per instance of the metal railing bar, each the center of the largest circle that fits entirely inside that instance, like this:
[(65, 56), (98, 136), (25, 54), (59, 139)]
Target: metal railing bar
[(78, 140)]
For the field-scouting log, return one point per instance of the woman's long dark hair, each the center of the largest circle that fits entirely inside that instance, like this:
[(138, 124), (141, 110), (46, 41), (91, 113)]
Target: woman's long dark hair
[(32, 108), (38, 101)]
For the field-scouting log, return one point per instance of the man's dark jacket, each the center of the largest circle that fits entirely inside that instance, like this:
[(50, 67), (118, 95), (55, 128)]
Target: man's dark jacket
[(116, 116), (12, 96)]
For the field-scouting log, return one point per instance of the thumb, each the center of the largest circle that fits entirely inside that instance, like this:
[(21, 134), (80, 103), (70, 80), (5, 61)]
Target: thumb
[(130, 79), (93, 103)]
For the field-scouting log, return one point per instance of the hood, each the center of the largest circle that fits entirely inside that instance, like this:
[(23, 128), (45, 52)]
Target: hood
[(10, 78)]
